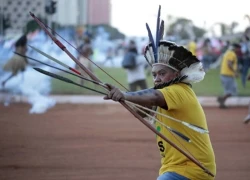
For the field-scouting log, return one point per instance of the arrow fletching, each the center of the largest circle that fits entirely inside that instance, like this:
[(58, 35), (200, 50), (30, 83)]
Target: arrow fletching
[(196, 128), (180, 135)]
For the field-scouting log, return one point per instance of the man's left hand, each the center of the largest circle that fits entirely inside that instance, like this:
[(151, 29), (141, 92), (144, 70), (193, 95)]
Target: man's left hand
[(115, 94)]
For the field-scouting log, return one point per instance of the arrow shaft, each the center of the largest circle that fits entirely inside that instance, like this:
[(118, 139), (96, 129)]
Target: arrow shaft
[(76, 75), (54, 59), (64, 79)]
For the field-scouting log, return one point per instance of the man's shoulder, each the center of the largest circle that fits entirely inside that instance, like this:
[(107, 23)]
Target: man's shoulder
[(178, 87), (229, 54)]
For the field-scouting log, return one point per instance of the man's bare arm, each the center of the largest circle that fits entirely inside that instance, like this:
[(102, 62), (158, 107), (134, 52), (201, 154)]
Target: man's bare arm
[(147, 97)]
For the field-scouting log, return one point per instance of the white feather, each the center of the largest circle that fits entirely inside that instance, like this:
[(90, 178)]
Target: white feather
[(195, 73), (152, 55), (195, 128)]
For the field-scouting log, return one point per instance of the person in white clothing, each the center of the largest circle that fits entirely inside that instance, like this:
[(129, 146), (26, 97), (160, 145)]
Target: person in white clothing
[(136, 76)]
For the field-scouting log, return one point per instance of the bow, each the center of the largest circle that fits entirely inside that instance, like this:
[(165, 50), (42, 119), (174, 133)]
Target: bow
[(60, 45)]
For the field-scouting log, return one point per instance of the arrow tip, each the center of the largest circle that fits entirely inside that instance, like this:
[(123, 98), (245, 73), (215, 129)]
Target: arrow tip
[(32, 14)]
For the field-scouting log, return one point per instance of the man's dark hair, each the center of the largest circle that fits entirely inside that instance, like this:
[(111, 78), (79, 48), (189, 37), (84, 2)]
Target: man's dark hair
[(22, 41)]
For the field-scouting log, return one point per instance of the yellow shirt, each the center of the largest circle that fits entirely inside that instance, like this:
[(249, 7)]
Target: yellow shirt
[(192, 47), (228, 56), (183, 105)]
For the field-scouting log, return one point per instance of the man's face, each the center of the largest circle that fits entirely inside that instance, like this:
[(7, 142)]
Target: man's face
[(162, 74)]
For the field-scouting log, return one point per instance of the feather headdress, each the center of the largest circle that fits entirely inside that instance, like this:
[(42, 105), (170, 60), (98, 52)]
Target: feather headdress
[(170, 54)]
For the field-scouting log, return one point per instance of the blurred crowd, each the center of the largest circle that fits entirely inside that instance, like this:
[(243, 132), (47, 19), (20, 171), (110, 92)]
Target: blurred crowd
[(105, 52), (211, 52), (113, 53)]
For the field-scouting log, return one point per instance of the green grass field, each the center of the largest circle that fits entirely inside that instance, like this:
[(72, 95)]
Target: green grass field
[(210, 86)]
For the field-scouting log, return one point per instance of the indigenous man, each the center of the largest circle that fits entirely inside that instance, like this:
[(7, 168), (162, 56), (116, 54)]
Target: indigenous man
[(17, 63), (173, 71)]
